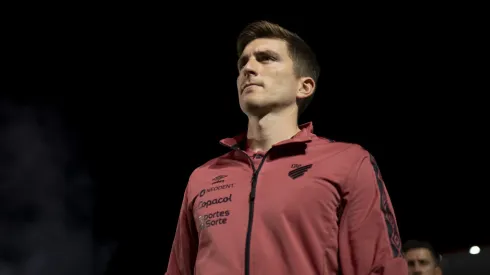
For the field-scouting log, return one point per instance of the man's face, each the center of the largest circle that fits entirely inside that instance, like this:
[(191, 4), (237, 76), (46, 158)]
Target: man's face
[(266, 79), (421, 262)]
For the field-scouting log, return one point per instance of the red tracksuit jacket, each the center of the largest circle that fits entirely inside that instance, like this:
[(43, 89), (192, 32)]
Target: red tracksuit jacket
[(307, 206)]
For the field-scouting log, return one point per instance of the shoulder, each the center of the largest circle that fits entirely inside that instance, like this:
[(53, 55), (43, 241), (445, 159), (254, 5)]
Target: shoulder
[(346, 150), (355, 166)]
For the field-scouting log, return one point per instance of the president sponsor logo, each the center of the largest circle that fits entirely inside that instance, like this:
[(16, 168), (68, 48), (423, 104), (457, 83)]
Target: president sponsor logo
[(215, 188), (208, 203), (213, 219)]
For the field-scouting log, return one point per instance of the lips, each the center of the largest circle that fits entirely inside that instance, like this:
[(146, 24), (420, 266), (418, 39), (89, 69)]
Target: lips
[(248, 85)]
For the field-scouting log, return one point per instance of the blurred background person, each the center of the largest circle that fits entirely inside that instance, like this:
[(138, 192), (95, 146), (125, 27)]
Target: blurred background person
[(422, 258)]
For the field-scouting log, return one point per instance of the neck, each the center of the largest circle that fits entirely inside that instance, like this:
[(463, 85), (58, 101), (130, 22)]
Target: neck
[(263, 132)]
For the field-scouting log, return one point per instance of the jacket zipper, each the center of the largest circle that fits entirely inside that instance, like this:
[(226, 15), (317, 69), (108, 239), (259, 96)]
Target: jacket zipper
[(251, 206), (251, 211)]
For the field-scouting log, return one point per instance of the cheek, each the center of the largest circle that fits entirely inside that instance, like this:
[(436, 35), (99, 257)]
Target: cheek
[(283, 78), (238, 81), (285, 83)]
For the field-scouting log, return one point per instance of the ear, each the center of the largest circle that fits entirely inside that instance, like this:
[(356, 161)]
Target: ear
[(306, 87)]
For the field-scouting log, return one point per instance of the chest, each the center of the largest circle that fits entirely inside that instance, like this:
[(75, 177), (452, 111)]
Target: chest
[(220, 201), (298, 193), (292, 192)]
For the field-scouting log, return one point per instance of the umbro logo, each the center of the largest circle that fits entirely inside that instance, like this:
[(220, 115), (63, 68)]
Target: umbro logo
[(218, 179), (298, 170)]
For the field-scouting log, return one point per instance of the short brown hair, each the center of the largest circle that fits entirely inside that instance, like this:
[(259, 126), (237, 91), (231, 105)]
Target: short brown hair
[(414, 244), (304, 59)]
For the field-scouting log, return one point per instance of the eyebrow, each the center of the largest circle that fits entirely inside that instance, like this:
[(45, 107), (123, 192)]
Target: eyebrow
[(244, 58)]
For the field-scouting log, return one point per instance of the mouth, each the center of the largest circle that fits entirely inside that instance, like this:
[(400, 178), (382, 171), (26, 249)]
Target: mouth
[(249, 85)]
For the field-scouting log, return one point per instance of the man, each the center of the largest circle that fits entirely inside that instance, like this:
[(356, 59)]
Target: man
[(422, 259), (283, 200)]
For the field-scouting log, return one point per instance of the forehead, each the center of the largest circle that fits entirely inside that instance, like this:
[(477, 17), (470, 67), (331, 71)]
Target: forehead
[(418, 254), (266, 44)]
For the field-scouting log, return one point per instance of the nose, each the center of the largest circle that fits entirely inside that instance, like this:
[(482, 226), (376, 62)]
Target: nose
[(251, 67), (417, 270)]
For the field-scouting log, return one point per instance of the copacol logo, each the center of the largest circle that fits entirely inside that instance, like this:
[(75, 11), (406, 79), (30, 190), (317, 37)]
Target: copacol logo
[(208, 203)]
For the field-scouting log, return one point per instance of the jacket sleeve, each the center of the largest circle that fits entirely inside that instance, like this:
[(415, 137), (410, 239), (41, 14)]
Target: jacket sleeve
[(184, 247), (369, 242)]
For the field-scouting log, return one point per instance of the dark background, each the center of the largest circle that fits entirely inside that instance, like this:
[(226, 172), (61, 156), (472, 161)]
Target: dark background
[(104, 115)]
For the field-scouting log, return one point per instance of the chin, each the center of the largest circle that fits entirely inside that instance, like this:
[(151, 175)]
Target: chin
[(253, 100), (252, 107)]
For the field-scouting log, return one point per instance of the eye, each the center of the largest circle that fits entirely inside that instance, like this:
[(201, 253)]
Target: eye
[(266, 57), (262, 57)]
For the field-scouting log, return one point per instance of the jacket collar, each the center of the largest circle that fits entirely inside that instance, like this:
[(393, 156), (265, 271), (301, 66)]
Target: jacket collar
[(240, 141)]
